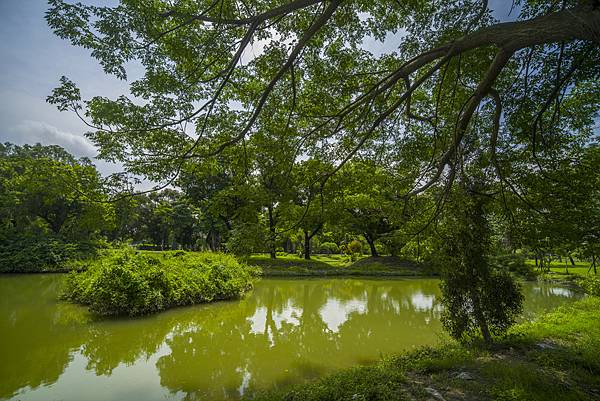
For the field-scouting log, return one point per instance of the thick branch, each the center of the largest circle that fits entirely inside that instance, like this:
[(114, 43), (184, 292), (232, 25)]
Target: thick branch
[(481, 91), (275, 12)]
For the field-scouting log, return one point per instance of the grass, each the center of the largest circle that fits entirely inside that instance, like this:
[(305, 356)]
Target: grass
[(553, 358), (336, 265), (558, 268)]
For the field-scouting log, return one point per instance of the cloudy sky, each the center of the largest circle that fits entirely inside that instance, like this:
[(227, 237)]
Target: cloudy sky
[(33, 60)]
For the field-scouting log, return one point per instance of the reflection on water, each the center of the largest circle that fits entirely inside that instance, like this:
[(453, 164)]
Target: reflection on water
[(285, 331)]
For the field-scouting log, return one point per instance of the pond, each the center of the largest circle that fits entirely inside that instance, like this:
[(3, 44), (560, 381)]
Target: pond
[(285, 331)]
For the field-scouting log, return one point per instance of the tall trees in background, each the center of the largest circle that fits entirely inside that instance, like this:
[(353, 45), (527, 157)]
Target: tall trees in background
[(51, 206)]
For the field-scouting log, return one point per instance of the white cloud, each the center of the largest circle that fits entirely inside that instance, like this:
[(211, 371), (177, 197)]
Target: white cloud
[(29, 131)]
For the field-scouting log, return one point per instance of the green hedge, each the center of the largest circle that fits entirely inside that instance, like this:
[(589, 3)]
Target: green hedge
[(126, 282)]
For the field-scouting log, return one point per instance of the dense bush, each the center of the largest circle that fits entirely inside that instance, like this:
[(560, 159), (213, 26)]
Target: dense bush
[(246, 239), (31, 252), (513, 263), (126, 282), (329, 248), (354, 247), (591, 285), (478, 297)]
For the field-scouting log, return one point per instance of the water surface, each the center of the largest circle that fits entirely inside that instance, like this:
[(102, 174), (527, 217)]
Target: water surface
[(283, 332)]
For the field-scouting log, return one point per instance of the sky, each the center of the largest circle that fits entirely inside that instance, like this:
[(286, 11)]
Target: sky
[(32, 60)]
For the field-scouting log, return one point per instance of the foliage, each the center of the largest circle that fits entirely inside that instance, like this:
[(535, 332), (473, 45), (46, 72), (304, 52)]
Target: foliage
[(591, 285), (246, 239), (476, 296), (336, 265), (496, 296), (514, 263), (134, 283), (354, 247), (52, 208), (34, 252), (329, 248)]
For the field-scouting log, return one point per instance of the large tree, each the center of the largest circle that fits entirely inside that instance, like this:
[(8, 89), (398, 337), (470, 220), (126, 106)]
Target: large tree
[(211, 68)]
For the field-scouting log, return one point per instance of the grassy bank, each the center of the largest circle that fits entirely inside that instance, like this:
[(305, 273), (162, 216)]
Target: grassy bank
[(125, 282), (336, 265), (553, 358)]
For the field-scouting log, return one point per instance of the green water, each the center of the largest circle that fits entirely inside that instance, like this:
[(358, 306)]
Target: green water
[(284, 332)]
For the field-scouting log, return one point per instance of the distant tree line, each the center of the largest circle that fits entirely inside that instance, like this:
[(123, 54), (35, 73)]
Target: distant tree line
[(56, 207)]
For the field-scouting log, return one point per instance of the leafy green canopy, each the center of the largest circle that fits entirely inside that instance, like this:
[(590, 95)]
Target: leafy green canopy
[(222, 73), (51, 207)]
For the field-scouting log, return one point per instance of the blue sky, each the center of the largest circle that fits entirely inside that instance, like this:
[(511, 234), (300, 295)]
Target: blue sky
[(32, 60)]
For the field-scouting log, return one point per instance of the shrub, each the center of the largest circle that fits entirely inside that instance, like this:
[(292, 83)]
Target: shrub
[(477, 297), (355, 246), (130, 283), (329, 248), (495, 294), (32, 252), (514, 264), (591, 285), (246, 239)]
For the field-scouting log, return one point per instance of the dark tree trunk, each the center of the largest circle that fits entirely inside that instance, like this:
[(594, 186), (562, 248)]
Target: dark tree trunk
[(481, 321), (306, 245), (572, 261), (308, 237), (272, 252), (371, 242)]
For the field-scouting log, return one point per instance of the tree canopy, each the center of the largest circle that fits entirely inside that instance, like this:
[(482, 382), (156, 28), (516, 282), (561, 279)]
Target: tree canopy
[(221, 73)]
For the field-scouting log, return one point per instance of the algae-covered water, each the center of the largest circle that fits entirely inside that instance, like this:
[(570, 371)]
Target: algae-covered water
[(284, 332)]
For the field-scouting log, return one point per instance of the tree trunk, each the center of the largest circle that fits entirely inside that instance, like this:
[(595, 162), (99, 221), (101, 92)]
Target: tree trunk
[(371, 242), (306, 245), (572, 261), (272, 252), (480, 318)]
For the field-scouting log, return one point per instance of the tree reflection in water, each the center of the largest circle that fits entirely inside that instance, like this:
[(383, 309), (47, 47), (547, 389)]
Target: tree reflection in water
[(284, 332)]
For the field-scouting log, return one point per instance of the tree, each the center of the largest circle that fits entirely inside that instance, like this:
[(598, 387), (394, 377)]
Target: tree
[(339, 91), (53, 207), (475, 295), (370, 201), (312, 206), (49, 184)]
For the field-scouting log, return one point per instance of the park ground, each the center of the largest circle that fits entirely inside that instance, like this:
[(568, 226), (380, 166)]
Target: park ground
[(342, 265), (337, 265)]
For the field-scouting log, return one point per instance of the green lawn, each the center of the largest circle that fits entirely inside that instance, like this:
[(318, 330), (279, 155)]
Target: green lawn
[(558, 271), (554, 358), (336, 265)]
